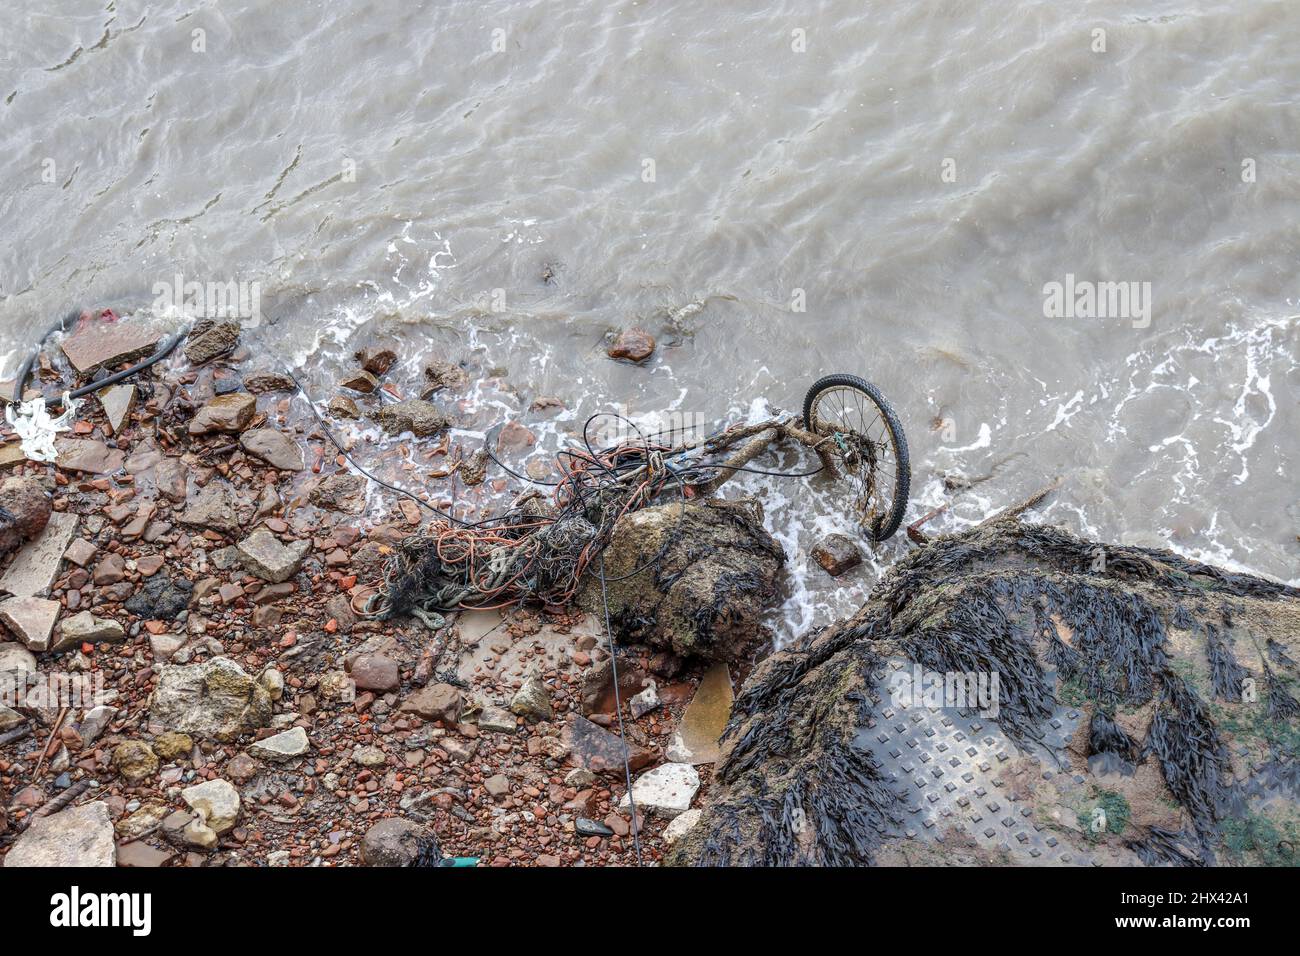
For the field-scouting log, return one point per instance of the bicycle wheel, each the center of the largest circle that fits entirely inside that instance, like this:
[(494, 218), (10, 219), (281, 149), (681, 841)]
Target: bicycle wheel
[(868, 445)]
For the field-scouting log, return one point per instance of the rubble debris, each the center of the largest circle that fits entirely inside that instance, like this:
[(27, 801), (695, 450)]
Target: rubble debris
[(288, 745), (118, 402), (88, 455), (274, 447), (264, 556), (232, 412), (216, 801), (340, 406), (360, 381), (31, 620), (667, 790), (439, 375), (392, 842), (259, 383), (699, 733), (376, 361)]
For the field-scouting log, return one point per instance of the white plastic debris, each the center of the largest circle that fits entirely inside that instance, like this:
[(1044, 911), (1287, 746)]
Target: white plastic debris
[(36, 428)]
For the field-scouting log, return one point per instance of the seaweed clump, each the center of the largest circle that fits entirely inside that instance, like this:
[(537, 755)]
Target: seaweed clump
[(1032, 604), (692, 578)]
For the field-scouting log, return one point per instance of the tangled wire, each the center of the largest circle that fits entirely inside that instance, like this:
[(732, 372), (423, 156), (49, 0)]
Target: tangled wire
[(538, 551)]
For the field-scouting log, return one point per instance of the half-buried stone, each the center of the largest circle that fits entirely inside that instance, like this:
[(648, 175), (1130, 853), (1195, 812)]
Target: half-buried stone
[(274, 447), (265, 556)]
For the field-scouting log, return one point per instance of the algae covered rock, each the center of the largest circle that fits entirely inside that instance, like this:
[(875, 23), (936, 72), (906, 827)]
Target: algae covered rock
[(1142, 710), (708, 571)]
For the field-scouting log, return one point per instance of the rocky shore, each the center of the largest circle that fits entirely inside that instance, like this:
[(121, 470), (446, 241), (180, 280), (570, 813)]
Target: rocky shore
[(202, 549)]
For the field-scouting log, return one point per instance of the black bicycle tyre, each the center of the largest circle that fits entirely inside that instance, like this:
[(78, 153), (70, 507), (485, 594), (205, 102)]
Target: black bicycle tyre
[(903, 476)]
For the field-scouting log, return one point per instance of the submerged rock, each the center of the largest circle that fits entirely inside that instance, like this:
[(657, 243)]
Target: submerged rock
[(274, 447), (714, 572), (94, 344), (835, 756), (837, 553), (439, 375), (209, 340), (632, 345), (226, 413), (417, 416)]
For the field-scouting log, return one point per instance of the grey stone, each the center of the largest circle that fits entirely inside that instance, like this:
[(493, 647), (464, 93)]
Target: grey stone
[(369, 756), (31, 620), (680, 824), (214, 508), (644, 702), (118, 402), (15, 657), (216, 802), (97, 719), (417, 416), (287, 745), (497, 720), (35, 566), (214, 699), (85, 628), (164, 646), (78, 836), (266, 557), (9, 718), (666, 790), (392, 842), (585, 827), (274, 447)]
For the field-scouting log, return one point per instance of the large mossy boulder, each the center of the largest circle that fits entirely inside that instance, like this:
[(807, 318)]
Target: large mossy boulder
[(1146, 713), (692, 578)]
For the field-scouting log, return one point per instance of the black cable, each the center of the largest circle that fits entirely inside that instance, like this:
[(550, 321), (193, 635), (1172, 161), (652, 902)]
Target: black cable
[(24, 373), (618, 707)]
